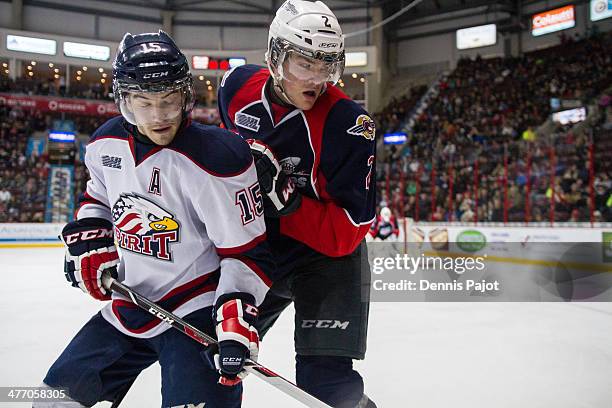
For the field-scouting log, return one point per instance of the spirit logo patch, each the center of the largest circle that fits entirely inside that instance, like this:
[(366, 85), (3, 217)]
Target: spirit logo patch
[(144, 227)]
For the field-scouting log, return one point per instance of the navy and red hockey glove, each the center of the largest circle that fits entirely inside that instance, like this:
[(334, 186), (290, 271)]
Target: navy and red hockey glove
[(90, 251), (235, 315), (281, 195)]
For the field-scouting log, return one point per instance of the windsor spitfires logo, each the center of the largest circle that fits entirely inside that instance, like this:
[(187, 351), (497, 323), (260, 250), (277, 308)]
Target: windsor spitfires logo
[(143, 227), (364, 126)]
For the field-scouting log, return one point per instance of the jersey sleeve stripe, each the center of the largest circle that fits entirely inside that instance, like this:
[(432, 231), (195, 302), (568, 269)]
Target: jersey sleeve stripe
[(212, 276), (242, 248), (86, 198), (86, 201), (252, 265)]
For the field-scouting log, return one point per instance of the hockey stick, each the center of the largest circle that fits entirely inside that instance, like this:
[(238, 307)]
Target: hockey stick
[(251, 366)]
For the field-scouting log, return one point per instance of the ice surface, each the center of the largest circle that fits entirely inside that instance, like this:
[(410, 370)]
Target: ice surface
[(422, 355)]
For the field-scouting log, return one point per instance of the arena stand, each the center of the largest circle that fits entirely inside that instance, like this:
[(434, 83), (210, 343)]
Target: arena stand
[(55, 87), (33, 187), (23, 179), (479, 150), (475, 154)]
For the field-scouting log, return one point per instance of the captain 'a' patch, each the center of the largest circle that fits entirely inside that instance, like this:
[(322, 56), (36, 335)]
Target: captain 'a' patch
[(155, 184)]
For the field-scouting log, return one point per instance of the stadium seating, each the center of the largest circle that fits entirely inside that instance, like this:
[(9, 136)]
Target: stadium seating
[(476, 149), (476, 152), (23, 179)]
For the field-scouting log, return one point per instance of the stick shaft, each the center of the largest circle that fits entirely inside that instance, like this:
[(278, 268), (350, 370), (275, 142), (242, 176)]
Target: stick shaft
[(176, 322)]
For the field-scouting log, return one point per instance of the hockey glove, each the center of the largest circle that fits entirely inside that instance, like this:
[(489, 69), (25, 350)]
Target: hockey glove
[(281, 195), (90, 251), (235, 316)]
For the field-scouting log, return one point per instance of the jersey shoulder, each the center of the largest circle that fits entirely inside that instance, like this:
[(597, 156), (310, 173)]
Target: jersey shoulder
[(239, 77), (240, 86), (242, 73), (217, 151), (348, 121), (341, 103), (111, 129)]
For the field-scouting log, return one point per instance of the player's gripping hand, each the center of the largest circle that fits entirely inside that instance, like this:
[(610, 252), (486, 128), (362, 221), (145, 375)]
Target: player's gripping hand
[(90, 251), (235, 316), (281, 195)]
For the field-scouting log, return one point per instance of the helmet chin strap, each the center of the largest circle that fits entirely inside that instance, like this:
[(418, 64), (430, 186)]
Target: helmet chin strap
[(280, 92), (277, 88)]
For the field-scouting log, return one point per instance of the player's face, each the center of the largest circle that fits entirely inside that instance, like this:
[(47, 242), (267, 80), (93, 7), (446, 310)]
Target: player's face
[(157, 115), (303, 80)]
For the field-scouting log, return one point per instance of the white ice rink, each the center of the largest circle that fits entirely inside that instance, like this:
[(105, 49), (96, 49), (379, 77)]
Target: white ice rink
[(421, 355)]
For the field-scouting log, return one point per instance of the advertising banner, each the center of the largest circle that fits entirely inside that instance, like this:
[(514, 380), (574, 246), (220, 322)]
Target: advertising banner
[(35, 146), (85, 107), (553, 20), (601, 9)]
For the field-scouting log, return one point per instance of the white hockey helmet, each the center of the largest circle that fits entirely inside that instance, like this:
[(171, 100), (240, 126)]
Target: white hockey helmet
[(308, 30)]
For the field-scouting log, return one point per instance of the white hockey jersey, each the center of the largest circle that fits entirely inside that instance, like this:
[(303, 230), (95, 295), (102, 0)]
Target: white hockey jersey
[(188, 219)]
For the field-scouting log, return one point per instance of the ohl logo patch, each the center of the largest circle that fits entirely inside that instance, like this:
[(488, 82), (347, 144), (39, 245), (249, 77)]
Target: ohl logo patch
[(143, 227), (364, 126)]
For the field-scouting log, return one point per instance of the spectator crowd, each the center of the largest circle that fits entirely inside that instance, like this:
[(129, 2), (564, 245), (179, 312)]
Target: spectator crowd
[(23, 180), (475, 152), (83, 90)]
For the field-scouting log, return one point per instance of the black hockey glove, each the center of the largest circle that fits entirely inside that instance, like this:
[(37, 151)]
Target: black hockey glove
[(235, 316), (90, 251), (280, 193)]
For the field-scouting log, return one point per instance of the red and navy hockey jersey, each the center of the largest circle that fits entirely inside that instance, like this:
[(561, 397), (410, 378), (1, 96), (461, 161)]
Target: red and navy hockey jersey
[(183, 233), (329, 151)]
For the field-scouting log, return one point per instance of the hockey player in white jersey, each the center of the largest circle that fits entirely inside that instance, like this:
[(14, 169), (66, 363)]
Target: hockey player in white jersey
[(182, 202)]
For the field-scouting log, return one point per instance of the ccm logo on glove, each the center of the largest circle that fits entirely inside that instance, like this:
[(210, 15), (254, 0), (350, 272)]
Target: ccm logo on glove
[(232, 360), (88, 235)]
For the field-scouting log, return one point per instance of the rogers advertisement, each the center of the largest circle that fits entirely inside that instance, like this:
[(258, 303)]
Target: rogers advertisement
[(553, 20), (85, 107)]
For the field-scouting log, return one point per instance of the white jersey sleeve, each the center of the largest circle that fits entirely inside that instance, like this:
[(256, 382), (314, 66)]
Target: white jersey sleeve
[(232, 210)]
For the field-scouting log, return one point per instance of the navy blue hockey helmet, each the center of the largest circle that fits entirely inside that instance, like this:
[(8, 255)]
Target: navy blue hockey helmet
[(151, 62)]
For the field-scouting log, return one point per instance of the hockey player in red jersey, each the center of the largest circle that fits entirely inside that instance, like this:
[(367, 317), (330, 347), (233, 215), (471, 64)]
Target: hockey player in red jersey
[(166, 191), (314, 151), (385, 226)]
